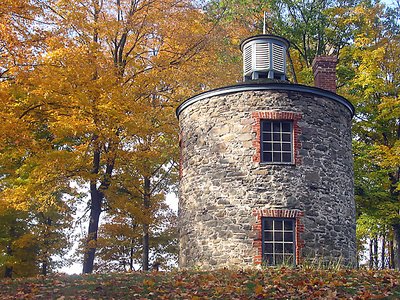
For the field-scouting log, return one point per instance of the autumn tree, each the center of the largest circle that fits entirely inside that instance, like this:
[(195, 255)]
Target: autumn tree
[(373, 205), (120, 241), (373, 86), (32, 228), (95, 106), (30, 239), (17, 244)]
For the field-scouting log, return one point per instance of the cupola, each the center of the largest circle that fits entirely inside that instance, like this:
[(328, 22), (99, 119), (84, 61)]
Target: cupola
[(264, 56)]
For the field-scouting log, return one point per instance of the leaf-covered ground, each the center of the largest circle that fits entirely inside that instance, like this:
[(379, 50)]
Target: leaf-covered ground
[(273, 283)]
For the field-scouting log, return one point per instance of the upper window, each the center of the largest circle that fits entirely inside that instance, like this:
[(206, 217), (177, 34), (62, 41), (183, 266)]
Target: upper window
[(276, 141), (278, 241)]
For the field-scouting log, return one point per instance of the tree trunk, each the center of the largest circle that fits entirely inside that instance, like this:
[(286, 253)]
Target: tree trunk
[(131, 256), (46, 259), (145, 258), (383, 251), (44, 269), (292, 68), (8, 272), (396, 232), (394, 178), (391, 258), (376, 262), (371, 255), (95, 210), (146, 204), (96, 203), (358, 259)]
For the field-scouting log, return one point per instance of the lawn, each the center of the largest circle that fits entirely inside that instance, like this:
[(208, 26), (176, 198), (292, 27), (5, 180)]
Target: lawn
[(271, 283)]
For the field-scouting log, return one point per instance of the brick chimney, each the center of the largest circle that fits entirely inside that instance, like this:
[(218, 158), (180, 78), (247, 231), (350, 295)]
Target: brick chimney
[(324, 70)]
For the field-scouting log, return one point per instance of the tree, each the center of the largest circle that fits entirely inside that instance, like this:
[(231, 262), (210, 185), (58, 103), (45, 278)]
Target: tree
[(17, 244), (97, 102), (374, 89), (310, 26), (120, 241), (30, 239)]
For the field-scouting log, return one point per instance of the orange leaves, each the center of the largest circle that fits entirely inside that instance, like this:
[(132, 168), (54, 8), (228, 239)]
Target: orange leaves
[(258, 289), (221, 284), (148, 283)]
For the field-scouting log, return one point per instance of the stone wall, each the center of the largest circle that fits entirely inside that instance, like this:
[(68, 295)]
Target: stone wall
[(222, 185)]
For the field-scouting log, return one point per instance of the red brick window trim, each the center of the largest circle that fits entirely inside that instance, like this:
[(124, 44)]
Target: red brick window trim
[(277, 213), (276, 115)]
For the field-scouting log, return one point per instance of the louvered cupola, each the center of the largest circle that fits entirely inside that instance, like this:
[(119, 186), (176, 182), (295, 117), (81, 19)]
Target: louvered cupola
[(264, 56)]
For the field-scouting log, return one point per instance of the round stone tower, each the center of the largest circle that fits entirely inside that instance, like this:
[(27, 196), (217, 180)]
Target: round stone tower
[(266, 168)]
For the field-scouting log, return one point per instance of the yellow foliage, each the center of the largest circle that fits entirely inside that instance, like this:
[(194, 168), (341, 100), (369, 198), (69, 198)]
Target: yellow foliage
[(91, 97)]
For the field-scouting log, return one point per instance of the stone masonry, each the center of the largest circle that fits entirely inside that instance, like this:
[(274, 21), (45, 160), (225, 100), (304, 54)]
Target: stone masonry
[(225, 190)]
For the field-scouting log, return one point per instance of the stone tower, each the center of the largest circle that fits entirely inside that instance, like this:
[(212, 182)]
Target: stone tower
[(266, 167)]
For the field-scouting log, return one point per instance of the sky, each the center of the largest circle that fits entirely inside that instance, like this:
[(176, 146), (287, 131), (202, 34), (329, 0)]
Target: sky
[(388, 2)]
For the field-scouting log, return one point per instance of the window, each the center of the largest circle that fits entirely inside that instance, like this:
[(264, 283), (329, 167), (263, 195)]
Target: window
[(278, 241), (276, 141)]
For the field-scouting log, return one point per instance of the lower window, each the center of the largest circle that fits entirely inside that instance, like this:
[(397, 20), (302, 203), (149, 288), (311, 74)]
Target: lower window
[(278, 241)]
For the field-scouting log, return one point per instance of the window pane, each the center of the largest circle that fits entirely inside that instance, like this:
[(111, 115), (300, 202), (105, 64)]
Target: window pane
[(286, 146), (268, 224), (276, 127), (268, 248), (278, 259), (267, 137), (286, 137), (285, 127), (266, 126), (278, 248), (288, 224), (288, 236), (267, 156), (288, 259), (277, 157), (277, 137), (267, 146), (278, 225), (288, 248), (286, 157), (269, 259), (279, 236), (268, 236), (277, 147)]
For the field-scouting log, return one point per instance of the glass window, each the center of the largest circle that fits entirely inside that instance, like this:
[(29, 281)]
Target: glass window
[(276, 141), (278, 241)]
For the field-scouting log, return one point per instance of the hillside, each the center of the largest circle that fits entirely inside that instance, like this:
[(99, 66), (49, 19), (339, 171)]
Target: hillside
[(273, 283)]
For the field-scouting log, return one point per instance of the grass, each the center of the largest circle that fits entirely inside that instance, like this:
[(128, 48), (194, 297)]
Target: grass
[(270, 283)]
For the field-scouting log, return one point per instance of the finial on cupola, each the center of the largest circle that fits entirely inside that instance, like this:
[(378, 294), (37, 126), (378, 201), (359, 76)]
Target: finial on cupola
[(264, 56)]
